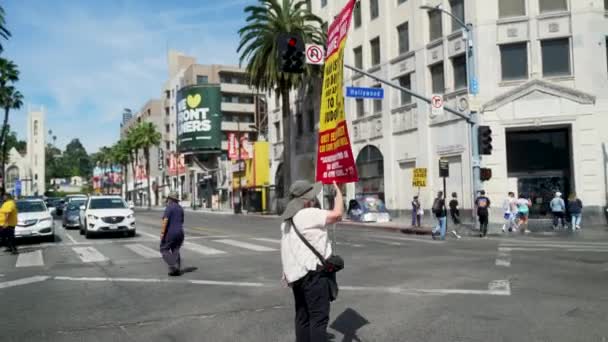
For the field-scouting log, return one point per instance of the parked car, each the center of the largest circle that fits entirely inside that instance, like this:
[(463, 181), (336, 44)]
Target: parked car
[(34, 220), (106, 214), (71, 214), (368, 209), (69, 198)]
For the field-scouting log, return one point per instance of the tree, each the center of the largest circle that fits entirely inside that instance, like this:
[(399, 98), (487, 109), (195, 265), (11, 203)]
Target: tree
[(9, 99), (121, 156), (8, 74), (146, 136), (132, 149), (77, 160), (4, 32), (258, 47)]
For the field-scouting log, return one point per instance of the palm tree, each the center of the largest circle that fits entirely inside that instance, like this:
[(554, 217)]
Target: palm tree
[(121, 157), (4, 32), (258, 47), (132, 148), (10, 98), (147, 136), (8, 74)]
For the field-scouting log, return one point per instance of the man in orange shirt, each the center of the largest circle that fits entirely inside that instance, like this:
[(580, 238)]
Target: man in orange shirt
[(8, 221)]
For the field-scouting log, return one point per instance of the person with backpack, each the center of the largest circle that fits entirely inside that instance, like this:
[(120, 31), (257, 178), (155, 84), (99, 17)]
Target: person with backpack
[(304, 243), (575, 207), (482, 203), (440, 213)]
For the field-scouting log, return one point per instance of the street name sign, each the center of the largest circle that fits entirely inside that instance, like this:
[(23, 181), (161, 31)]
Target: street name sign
[(365, 93)]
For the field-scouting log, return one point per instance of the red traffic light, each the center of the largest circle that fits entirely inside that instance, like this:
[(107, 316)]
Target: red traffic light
[(292, 42)]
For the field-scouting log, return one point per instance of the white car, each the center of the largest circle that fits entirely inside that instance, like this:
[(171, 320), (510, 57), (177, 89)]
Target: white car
[(106, 214), (34, 220)]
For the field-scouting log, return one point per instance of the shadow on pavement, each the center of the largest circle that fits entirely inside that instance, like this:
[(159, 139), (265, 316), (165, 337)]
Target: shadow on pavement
[(347, 323)]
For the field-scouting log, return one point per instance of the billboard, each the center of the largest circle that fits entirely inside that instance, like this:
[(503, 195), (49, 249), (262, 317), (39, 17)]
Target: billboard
[(234, 145), (199, 119)]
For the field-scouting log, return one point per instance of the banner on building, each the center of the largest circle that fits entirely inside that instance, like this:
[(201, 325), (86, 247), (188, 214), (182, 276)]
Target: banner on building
[(199, 119), (234, 145), (177, 164), (335, 160)]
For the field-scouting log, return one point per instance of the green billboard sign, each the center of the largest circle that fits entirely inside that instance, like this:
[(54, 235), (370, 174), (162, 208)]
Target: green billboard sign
[(199, 119)]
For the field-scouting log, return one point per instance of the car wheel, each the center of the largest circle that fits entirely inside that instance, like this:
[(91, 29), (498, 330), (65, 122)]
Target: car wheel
[(50, 238), (87, 233), (131, 234), (81, 228)]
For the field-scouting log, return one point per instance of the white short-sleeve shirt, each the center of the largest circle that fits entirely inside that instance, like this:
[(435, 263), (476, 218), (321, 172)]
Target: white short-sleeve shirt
[(296, 257)]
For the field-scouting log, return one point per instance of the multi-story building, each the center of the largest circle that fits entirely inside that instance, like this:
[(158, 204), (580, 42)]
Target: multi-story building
[(543, 90)]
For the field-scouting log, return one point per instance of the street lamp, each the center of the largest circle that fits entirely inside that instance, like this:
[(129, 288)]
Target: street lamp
[(472, 89)]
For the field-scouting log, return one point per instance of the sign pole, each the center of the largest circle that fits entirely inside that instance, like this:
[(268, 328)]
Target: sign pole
[(444, 206)]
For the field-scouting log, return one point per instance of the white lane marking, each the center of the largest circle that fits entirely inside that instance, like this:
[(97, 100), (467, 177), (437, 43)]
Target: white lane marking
[(29, 259), (195, 247), (143, 251), (504, 257), (401, 238), (23, 281), (89, 254), (495, 288), (561, 249), (70, 238), (546, 245), (387, 242), (267, 240), (140, 232), (246, 245)]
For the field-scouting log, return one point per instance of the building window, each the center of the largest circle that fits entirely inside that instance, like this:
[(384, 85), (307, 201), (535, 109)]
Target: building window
[(511, 8), (514, 61), (167, 145), (556, 57), (405, 82), (360, 108), (435, 25), (403, 34), (358, 52), (299, 125), (437, 79), (202, 79), (277, 128), (149, 112), (167, 129), (374, 10), (311, 121), (35, 127), (552, 5), (375, 47), (399, 2), (457, 7), (167, 111), (606, 5), (357, 15), (323, 3), (167, 94), (377, 103), (459, 64)]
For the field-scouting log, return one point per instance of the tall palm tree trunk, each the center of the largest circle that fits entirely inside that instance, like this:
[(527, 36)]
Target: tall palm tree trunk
[(147, 156), (286, 137), (3, 142)]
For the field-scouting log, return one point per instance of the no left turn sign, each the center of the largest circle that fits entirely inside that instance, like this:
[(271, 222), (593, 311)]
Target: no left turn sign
[(436, 105), (315, 54)]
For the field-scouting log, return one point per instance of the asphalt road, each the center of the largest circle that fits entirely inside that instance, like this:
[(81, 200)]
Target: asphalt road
[(395, 287)]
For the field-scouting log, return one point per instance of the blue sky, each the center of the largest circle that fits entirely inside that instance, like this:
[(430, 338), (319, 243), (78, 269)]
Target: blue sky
[(86, 60)]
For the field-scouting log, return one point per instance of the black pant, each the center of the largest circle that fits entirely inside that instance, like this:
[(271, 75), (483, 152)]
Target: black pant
[(8, 238), (455, 215), (169, 249), (483, 224), (311, 294), (558, 216)]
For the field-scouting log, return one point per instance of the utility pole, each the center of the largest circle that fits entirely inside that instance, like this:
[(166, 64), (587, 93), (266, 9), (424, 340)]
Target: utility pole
[(239, 204)]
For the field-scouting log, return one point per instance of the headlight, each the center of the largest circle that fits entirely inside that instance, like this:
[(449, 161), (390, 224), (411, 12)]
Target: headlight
[(130, 216), (92, 217)]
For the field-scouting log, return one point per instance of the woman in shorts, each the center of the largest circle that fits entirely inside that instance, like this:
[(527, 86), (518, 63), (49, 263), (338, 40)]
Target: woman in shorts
[(523, 210)]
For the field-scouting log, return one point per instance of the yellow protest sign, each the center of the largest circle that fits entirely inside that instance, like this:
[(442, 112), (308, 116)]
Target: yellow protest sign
[(419, 177)]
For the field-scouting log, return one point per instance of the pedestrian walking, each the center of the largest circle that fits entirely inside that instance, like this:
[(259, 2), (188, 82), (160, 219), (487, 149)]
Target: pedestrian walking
[(509, 207), (523, 210), (454, 210), (558, 210), (172, 234), (304, 241), (440, 214), (417, 212), (483, 205), (8, 222), (575, 207)]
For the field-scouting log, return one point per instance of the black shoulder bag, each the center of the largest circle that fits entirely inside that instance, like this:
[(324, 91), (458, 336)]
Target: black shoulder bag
[(331, 265)]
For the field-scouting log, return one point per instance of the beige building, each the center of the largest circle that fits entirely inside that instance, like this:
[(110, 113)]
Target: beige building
[(543, 90)]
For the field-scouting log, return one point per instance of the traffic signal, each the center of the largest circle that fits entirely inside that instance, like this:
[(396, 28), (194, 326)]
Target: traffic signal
[(291, 50), (484, 140), (485, 174)]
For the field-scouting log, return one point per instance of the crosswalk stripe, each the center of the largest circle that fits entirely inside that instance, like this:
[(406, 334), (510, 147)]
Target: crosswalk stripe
[(195, 247), (245, 245), (267, 240), (29, 259), (89, 254), (143, 251), (544, 245)]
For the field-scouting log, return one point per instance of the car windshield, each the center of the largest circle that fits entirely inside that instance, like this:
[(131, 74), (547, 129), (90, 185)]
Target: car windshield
[(76, 204), (30, 206), (372, 205), (107, 203), (76, 198)]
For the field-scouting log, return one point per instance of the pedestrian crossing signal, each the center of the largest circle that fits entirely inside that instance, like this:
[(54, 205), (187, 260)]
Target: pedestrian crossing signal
[(485, 174), (291, 50), (484, 140)]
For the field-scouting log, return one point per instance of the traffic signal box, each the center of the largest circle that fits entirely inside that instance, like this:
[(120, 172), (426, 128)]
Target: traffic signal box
[(484, 138), (291, 49)]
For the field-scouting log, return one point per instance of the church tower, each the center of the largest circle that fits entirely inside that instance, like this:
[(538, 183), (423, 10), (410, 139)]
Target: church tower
[(36, 150)]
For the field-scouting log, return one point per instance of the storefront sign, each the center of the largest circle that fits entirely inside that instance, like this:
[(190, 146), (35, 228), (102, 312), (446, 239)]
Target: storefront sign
[(419, 177), (335, 160), (199, 119)]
